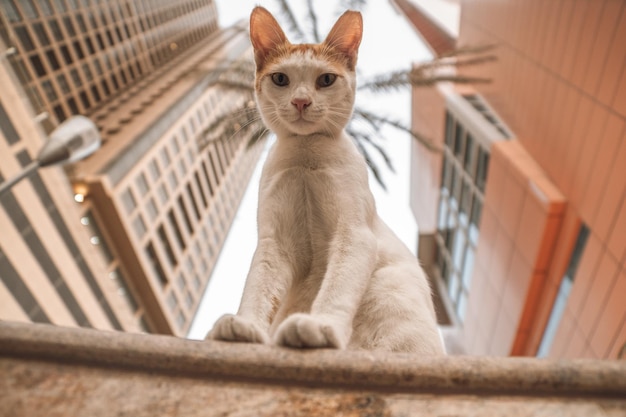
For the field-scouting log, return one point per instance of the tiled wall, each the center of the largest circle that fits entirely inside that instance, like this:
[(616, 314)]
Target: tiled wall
[(521, 219), (560, 83)]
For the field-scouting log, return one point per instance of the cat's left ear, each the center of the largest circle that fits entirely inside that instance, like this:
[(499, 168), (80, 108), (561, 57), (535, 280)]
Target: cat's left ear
[(346, 35)]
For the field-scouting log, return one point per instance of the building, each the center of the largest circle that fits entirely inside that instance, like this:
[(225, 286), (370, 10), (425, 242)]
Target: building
[(523, 215), (149, 211)]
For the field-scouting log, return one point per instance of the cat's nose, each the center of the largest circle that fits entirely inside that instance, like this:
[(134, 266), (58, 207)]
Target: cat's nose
[(301, 103)]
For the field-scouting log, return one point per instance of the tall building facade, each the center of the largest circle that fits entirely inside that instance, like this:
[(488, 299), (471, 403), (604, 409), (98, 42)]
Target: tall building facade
[(523, 215), (153, 205)]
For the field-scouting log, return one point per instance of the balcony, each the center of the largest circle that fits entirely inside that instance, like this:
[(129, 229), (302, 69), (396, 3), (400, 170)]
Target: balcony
[(56, 371)]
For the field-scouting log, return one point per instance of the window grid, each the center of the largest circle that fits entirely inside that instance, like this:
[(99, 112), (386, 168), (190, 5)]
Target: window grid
[(463, 177), (129, 39)]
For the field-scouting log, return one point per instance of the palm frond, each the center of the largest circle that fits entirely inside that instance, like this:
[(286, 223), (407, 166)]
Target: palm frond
[(313, 21), (293, 24), (352, 4), (370, 163), (367, 115)]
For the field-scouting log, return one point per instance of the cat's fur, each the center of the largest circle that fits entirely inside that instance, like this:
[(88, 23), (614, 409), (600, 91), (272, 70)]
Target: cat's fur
[(327, 272)]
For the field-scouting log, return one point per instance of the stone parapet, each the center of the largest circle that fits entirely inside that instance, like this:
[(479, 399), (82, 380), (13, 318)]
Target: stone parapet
[(51, 371)]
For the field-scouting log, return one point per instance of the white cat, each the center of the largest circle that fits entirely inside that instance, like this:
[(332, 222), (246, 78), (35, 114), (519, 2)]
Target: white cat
[(327, 272)]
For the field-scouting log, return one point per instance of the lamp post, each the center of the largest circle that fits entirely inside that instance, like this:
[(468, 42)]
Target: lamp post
[(72, 140)]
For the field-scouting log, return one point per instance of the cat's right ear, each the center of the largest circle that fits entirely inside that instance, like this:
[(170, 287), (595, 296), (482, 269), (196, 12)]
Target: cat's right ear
[(265, 35)]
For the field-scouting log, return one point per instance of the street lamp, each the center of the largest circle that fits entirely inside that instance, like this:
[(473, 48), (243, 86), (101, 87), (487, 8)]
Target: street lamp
[(72, 140)]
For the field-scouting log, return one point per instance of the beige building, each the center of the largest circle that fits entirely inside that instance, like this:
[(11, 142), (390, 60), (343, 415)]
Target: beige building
[(152, 207)]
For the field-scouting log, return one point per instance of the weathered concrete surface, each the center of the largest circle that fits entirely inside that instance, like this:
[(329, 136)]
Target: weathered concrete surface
[(52, 371)]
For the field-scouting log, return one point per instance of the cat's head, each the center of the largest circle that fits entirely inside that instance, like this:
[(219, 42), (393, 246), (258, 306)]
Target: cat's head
[(305, 89)]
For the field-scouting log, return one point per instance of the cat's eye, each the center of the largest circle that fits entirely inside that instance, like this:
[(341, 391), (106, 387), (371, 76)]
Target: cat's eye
[(326, 80), (280, 79)]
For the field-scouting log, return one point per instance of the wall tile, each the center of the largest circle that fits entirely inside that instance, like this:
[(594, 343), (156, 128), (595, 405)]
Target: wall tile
[(611, 318), (598, 294)]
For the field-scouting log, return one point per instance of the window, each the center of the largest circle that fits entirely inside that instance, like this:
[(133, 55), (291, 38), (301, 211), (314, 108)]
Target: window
[(459, 210), (25, 39), (171, 257), (139, 226), (563, 293), (39, 30), (174, 223), (152, 209), (128, 200), (156, 264), (142, 184), (155, 172), (183, 209), (172, 301)]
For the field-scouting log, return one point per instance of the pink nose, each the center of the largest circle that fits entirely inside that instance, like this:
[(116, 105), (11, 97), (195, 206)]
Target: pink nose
[(301, 103)]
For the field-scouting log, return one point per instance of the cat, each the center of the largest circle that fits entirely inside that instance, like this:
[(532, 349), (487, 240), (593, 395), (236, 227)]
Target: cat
[(327, 272)]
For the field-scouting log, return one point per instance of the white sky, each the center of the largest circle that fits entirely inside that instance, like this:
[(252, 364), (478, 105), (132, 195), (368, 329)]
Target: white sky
[(389, 43)]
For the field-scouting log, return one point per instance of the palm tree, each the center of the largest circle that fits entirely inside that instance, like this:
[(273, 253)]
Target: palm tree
[(365, 126)]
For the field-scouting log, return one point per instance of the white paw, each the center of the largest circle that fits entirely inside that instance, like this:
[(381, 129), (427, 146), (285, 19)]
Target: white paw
[(305, 331), (237, 329)]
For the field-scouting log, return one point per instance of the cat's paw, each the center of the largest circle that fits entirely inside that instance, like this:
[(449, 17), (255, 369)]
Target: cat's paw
[(306, 331), (237, 329)]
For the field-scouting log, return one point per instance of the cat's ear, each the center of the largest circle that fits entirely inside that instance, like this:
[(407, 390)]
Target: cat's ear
[(265, 34), (345, 36)]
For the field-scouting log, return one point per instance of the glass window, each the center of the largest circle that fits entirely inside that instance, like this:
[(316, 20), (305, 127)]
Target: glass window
[(55, 29), (180, 319), (52, 60), (60, 5), (156, 264), (139, 226), (65, 88), (180, 281), (49, 90), (152, 209), (175, 146), (76, 78), (482, 168), (155, 172), (173, 181), (10, 10), (165, 157), (142, 184), (459, 136), (165, 242), (39, 30), (188, 299), (69, 26), (128, 200), (174, 223), (564, 291), (65, 53), (183, 209), (468, 160), (29, 9), (25, 39), (194, 204), (172, 301), (38, 66)]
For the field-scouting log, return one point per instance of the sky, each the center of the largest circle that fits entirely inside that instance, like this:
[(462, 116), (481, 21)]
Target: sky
[(389, 43)]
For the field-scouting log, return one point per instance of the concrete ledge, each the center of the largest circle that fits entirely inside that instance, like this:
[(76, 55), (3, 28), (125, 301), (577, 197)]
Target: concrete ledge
[(109, 361)]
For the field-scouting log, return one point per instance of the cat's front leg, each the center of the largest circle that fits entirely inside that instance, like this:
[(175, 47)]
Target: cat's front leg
[(329, 324), (266, 285)]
